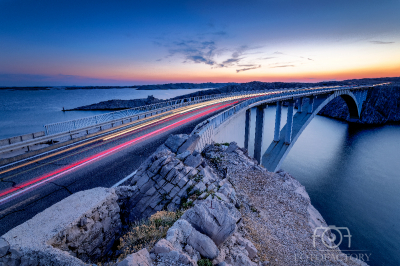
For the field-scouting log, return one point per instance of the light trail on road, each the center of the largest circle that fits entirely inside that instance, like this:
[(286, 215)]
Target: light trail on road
[(153, 121), (27, 186)]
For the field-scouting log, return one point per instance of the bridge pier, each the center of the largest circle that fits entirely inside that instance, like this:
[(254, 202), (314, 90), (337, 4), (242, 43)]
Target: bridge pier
[(310, 105), (300, 105), (289, 123), (247, 129), (259, 132), (278, 121)]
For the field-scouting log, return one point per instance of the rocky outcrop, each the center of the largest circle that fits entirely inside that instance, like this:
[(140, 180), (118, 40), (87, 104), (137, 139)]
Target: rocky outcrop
[(140, 258), (381, 106), (215, 218), (277, 216)]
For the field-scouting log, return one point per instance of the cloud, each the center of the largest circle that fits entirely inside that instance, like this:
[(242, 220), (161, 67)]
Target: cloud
[(193, 51), (267, 58), (200, 59), (206, 49), (246, 69), (380, 42), (282, 66), (219, 33)]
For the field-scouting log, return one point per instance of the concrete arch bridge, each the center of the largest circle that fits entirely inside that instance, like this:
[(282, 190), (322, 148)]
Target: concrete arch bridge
[(309, 102)]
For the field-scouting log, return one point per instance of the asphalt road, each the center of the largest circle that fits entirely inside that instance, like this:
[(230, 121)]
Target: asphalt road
[(97, 163)]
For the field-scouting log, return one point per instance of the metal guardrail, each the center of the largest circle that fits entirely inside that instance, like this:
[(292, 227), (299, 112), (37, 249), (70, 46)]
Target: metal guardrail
[(67, 126), (206, 128)]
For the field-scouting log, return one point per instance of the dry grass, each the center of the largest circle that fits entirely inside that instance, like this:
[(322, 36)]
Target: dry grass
[(147, 233)]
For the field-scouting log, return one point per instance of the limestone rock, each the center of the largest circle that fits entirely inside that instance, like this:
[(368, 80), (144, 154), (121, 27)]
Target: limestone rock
[(183, 233), (163, 246), (228, 191), (182, 156), (4, 247), (222, 197), (203, 244), (140, 258), (213, 218), (251, 249), (175, 141), (193, 160), (175, 258), (208, 175), (232, 147), (190, 144), (179, 233)]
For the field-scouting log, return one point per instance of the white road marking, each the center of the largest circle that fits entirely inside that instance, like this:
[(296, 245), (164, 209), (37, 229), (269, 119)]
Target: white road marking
[(126, 178)]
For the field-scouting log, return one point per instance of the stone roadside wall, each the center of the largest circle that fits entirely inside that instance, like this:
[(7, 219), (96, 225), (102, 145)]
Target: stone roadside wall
[(73, 231)]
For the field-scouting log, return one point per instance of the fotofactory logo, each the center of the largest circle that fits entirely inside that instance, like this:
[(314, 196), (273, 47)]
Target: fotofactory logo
[(332, 237)]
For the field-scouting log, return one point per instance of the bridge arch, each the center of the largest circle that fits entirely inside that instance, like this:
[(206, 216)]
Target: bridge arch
[(287, 137)]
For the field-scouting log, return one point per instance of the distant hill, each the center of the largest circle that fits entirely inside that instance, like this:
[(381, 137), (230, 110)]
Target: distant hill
[(169, 86)]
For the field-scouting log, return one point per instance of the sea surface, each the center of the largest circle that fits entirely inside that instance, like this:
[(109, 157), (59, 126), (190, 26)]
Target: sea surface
[(27, 111), (352, 174)]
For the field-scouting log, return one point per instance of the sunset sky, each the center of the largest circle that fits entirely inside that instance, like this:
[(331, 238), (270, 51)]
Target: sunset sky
[(45, 43)]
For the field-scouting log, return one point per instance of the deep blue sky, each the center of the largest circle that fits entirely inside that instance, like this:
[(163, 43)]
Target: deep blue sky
[(137, 42)]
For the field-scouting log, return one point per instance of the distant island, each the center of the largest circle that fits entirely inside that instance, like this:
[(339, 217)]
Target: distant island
[(169, 86)]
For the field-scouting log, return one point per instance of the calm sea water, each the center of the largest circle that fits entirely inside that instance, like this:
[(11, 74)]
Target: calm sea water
[(352, 175), (27, 111)]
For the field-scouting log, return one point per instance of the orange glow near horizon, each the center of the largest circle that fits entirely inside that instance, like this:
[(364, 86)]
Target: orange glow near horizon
[(206, 76)]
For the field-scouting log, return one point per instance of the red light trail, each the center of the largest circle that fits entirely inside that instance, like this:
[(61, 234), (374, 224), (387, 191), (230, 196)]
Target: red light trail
[(24, 187)]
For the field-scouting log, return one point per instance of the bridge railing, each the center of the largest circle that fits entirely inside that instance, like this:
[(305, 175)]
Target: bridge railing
[(85, 122), (206, 128), (67, 126)]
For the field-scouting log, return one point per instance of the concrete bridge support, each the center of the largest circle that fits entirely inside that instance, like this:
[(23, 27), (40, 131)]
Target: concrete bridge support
[(300, 105), (259, 132), (247, 129), (278, 121), (289, 123), (285, 139), (310, 105)]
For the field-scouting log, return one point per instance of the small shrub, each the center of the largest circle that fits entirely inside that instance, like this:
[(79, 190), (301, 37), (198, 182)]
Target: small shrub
[(198, 178), (187, 205), (204, 262), (215, 160), (189, 189), (220, 144)]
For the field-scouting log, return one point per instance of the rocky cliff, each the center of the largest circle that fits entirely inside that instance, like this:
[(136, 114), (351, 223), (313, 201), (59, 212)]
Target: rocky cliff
[(381, 106)]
